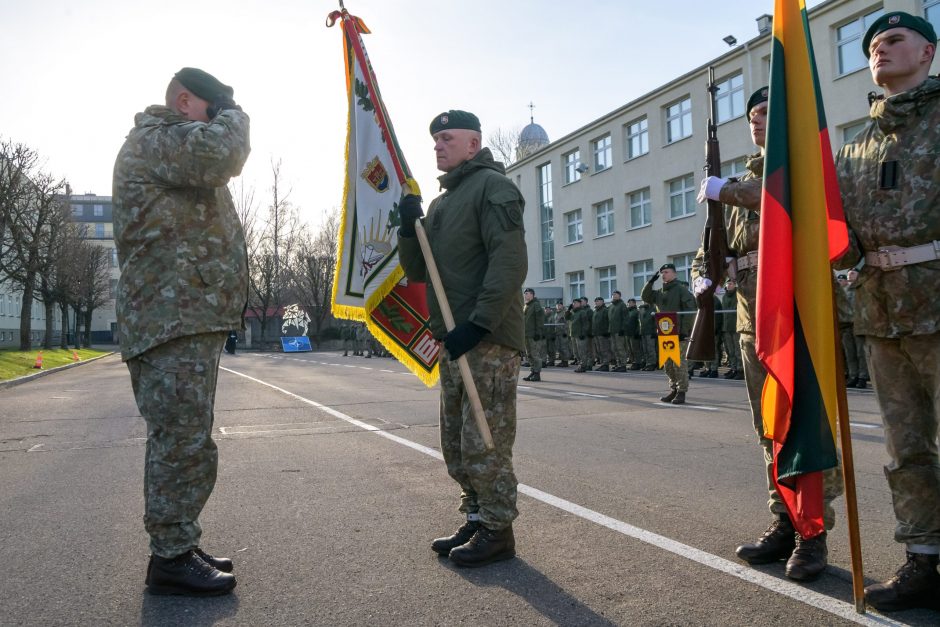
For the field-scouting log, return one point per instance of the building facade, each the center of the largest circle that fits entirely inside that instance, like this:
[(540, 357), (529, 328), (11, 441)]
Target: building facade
[(609, 203), (97, 214)]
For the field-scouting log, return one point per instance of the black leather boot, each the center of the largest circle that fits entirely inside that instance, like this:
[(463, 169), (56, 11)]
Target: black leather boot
[(668, 398), (603, 368), (809, 558), (219, 563), (485, 547), (916, 584), (533, 376), (187, 575), (442, 546), (775, 544), (679, 399)]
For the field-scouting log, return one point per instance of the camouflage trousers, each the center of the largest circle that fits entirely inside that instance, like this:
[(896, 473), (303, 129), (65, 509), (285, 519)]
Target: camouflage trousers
[(174, 385), (534, 349), (650, 350), (564, 347), (754, 376), (853, 347), (584, 352), (487, 481), (733, 349), (602, 349), (637, 352), (678, 374), (618, 344), (906, 375), (550, 351)]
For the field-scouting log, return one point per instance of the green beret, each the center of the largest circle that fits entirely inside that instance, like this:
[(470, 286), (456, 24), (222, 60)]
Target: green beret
[(203, 84), (454, 119), (898, 19), (756, 98), (667, 266), (528, 290)]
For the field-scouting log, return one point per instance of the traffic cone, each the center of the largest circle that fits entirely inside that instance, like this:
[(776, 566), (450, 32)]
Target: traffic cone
[(38, 364), (75, 356)]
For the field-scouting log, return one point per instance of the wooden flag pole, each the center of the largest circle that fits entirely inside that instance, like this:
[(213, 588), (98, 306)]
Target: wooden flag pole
[(462, 362), (848, 468)]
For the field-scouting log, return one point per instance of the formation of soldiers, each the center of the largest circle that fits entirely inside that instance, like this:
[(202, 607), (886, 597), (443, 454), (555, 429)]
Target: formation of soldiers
[(358, 338)]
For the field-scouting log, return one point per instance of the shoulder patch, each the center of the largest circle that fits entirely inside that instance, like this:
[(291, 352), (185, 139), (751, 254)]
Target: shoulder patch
[(507, 203)]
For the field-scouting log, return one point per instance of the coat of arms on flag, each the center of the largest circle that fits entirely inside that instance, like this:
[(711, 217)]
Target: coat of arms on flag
[(369, 283)]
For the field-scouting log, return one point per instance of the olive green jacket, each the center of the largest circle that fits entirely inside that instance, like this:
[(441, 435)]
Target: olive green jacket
[(673, 296), (534, 319), (478, 241), (616, 315)]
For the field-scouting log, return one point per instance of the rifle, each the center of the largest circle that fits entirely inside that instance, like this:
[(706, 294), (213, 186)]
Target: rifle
[(714, 245)]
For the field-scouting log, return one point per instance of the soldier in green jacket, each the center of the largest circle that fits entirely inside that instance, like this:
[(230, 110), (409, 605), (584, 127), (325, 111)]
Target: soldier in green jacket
[(731, 337), (549, 332), (648, 337), (477, 238), (183, 286), (889, 175), (600, 325), (631, 334), (673, 297), (534, 328), (581, 330), (616, 315), (562, 334)]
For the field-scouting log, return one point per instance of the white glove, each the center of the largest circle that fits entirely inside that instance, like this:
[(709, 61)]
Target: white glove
[(700, 284), (711, 185)]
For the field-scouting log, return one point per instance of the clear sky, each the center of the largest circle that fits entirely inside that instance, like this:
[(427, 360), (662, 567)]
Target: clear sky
[(74, 72)]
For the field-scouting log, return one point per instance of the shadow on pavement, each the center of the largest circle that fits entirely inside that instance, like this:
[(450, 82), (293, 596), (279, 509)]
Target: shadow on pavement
[(177, 610), (541, 593)]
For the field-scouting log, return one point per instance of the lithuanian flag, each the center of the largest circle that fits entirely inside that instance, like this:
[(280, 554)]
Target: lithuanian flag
[(802, 228)]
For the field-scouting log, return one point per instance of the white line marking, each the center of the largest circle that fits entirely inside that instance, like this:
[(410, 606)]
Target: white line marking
[(690, 406), (862, 425), (785, 588), (391, 371), (584, 394), (34, 448)]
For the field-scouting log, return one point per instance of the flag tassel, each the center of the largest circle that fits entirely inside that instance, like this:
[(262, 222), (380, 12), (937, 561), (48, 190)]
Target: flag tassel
[(478, 414)]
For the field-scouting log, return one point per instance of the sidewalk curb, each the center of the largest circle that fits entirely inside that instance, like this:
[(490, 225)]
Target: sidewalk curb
[(29, 377)]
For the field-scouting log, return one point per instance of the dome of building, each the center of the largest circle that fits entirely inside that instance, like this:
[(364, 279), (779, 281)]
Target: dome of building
[(533, 134)]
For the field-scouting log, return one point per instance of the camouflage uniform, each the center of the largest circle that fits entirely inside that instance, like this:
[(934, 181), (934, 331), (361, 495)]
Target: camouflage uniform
[(476, 235), (600, 326), (742, 221), (550, 333), (581, 331), (561, 334), (731, 336), (534, 327), (853, 346), (897, 310), (631, 335), (648, 335), (183, 286), (616, 315), (347, 334), (363, 345), (674, 296)]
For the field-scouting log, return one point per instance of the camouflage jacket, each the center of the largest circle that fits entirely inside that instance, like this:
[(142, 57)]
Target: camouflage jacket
[(559, 319), (845, 304), (600, 320), (578, 329), (534, 316), (647, 321), (631, 321), (180, 244), (905, 129), (673, 296), (742, 221), (478, 241), (729, 320), (616, 313)]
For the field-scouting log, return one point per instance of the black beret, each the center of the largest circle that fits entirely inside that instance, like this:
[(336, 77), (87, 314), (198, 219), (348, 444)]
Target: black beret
[(756, 98), (898, 19), (599, 298), (203, 84), (454, 119), (528, 290), (667, 266)]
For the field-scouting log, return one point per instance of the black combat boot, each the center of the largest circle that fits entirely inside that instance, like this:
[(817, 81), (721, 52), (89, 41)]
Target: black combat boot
[(188, 575), (739, 375), (862, 383), (563, 364), (777, 543), (485, 547), (809, 558), (219, 563), (533, 376), (636, 366), (713, 374), (668, 398), (442, 546), (851, 383), (603, 368), (679, 399), (649, 368), (916, 584), (620, 369)]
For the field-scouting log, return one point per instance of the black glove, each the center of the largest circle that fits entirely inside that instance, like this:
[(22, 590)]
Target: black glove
[(219, 104), (653, 278), (462, 337), (683, 337), (409, 210), (569, 307)]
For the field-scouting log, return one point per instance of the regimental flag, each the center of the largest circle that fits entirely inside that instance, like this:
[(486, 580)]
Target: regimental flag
[(369, 284), (802, 228)]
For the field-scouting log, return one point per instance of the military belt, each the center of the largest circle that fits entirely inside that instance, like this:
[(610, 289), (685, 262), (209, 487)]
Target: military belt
[(746, 261), (894, 257)]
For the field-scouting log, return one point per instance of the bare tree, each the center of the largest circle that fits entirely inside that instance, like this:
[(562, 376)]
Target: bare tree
[(503, 143), (311, 270), (93, 284)]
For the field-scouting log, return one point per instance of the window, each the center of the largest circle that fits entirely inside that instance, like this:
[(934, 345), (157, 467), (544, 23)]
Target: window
[(683, 263), (729, 100), (641, 271), (99, 229), (932, 12), (99, 211), (735, 167), (602, 153), (574, 226), (607, 281), (637, 138), (572, 160), (576, 284), (849, 42), (681, 197), (849, 131), (640, 208), (679, 120), (114, 258), (77, 211), (546, 220), (604, 218)]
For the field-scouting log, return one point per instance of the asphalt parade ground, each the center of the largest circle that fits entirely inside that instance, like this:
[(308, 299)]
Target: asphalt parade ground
[(331, 488)]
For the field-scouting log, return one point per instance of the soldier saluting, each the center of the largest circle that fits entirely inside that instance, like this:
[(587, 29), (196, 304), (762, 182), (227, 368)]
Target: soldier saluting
[(889, 175)]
